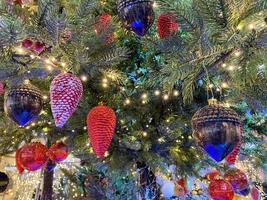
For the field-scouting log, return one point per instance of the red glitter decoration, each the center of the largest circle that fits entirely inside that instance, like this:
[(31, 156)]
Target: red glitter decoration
[(101, 123), (65, 92), (32, 156), (58, 152), (27, 43), (215, 174), (102, 24), (182, 183), (237, 179), (221, 190), (231, 158), (18, 165), (167, 25), (2, 88), (38, 47)]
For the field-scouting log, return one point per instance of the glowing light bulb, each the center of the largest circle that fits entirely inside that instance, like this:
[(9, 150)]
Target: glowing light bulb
[(105, 85), (224, 65), (231, 68), (84, 78), (175, 93), (105, 80), (127, 101), (144, 134), (49, 68), (211, 85), (157, 92), (63, 64), (144, 96), (165, 97), (224, 85)]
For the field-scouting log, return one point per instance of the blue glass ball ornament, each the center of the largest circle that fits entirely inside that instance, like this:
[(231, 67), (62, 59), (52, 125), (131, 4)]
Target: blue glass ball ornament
[(23, 104), (217, 130), (137, 15)]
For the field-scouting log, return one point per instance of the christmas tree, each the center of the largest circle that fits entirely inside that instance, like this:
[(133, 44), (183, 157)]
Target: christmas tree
[(121, 88)]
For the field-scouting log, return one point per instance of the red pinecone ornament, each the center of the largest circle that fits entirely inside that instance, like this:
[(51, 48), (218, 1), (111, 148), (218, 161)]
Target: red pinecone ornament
[(101, 123), (65, 92), (221, 190), (237, 179), (32, 156), (58, 152), (167, 25), (231, 158)]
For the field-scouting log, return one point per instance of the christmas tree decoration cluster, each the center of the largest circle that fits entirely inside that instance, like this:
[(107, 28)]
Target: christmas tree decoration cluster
[(133, 99)]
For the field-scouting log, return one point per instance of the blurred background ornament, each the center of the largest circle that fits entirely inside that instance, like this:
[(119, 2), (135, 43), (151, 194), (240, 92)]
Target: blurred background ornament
[(168, 189), (217, 130), (220, 189), (65, 91), (4, 182), (255, 194), (23, 104), (58, 152), (237, 179), (136, 15), (167, 25), (101, 123)]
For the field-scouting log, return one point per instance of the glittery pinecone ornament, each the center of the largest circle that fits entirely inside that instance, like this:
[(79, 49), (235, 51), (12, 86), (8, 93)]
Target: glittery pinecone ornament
[(167, 25), (65, 92), (101, 123)]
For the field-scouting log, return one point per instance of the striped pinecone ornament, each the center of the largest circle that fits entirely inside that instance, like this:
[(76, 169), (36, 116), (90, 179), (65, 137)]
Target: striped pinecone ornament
[(65, 93), (101, 123)]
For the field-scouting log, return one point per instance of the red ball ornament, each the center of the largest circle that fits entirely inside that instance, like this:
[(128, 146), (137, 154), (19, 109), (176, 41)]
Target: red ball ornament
[(2, 88), (18, 165), (213, 175), (221, 190), (101, 123), (65, 92), (58, 152), (38, 47), (32, 156), (27, 43), (167, 25), (237, 179)]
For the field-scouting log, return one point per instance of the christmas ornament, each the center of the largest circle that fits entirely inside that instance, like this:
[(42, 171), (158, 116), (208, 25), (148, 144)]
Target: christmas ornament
[(58, 152), (103, 23), (180, 188), (255, 194), (33, 156), (220, 189), (38, 47), (2, 88), (217, 130), (237, 179), (245, 192), (23, 104), (18, 165), (215, 174), (167, 25), (101, 122), (65, 92), (4, 181), (27, 43), (137, 15), (231, 158), (51, 165)]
